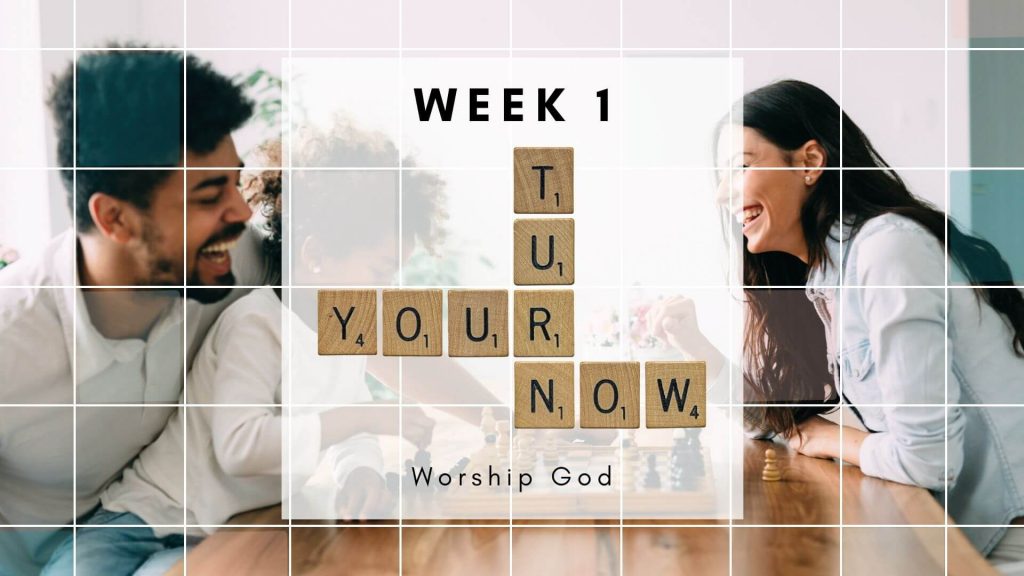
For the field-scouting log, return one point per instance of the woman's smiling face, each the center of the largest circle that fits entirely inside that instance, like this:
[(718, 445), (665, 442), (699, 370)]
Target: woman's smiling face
[(768, 189)]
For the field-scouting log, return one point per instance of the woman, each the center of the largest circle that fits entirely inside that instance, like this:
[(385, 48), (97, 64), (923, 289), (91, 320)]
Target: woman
[(885, 338)]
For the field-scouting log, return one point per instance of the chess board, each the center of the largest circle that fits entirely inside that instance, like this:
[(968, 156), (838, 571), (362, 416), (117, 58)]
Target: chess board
[(545, 499)]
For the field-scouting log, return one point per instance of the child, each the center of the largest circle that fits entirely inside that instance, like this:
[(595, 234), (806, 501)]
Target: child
[(234, 442)]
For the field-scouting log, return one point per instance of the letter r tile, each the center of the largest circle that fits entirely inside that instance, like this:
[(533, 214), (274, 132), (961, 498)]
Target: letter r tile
[(543, 323)]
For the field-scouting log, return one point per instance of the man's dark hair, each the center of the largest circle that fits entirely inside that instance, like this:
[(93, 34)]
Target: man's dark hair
[(130, 113)]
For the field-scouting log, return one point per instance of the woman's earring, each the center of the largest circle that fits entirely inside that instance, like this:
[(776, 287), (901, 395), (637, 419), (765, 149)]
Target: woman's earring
[(807, 179)]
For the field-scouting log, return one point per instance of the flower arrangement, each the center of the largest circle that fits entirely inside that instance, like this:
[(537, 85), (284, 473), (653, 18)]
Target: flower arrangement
[(602, 328)]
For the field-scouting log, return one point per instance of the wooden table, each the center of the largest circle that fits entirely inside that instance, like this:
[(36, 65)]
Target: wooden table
[(906, 536)]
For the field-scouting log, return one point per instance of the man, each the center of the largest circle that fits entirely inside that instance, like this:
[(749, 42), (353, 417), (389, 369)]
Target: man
[(144, 223)]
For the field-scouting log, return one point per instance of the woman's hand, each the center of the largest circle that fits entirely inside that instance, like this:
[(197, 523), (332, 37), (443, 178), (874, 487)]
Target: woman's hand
[(674, 321), (817, 438)]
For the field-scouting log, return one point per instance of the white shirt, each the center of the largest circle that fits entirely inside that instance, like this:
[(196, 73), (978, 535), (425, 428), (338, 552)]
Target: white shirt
[(234, 449), (36, 340), (38, 303)]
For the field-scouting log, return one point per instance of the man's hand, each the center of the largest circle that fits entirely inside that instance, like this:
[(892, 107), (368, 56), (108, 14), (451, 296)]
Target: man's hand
[(363, 496)]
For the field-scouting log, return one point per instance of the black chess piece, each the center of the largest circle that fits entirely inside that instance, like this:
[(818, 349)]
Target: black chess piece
[(677, 464), (391, 480), (651, 479), (698, 457), (459, 467), (409, 487), (693, 437), (422, 458)]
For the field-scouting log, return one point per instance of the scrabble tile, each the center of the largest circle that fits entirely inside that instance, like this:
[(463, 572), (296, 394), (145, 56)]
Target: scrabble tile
[(543, 180), (543, 322), (411, 322), (544, 251), (676, 394), (609, 394), (544, 395), (346, 322), (477, 323)]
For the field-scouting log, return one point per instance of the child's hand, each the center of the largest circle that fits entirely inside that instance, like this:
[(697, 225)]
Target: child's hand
[(364, 496), (417, 427)]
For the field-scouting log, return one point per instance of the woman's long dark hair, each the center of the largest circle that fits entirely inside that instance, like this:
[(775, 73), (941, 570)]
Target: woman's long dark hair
[(789, 114)]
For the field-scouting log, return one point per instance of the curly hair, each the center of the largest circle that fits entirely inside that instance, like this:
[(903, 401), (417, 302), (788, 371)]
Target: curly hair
[(263, 190), (129, 106), (343, 144)]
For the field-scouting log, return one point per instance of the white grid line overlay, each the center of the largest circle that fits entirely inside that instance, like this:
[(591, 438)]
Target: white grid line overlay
[(732, 269), (184, 252), (945, 371), (74, 305), (838, 293), (946, 169)]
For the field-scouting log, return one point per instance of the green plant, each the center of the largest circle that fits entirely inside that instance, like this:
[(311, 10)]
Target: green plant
[(265, 90)]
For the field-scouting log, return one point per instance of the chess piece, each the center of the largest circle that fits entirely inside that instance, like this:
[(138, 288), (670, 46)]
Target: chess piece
[(391, 481), (693, 435), (686, 462), (409, 487), (771, 472), (630, 461), (422, 459), (551, 455), (503, 444), (454, 472), (679, 469), (487, 423), (486, 457), (526, 451), (652, 480)]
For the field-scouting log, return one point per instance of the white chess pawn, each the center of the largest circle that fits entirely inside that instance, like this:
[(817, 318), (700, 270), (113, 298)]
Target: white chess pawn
[(502, 443), (526, 451), (487, 423), (550, 449), (771, 472)]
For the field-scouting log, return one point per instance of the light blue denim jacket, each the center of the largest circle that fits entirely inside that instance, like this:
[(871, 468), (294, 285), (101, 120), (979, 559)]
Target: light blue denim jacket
[(887, 346)]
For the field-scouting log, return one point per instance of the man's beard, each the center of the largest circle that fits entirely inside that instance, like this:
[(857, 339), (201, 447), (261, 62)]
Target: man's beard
[(163, 271), (206, 294), (222, 285), (160, 270), (209, 294)]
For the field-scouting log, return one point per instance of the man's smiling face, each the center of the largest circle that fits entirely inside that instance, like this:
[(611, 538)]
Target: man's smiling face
[(216, 214)]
